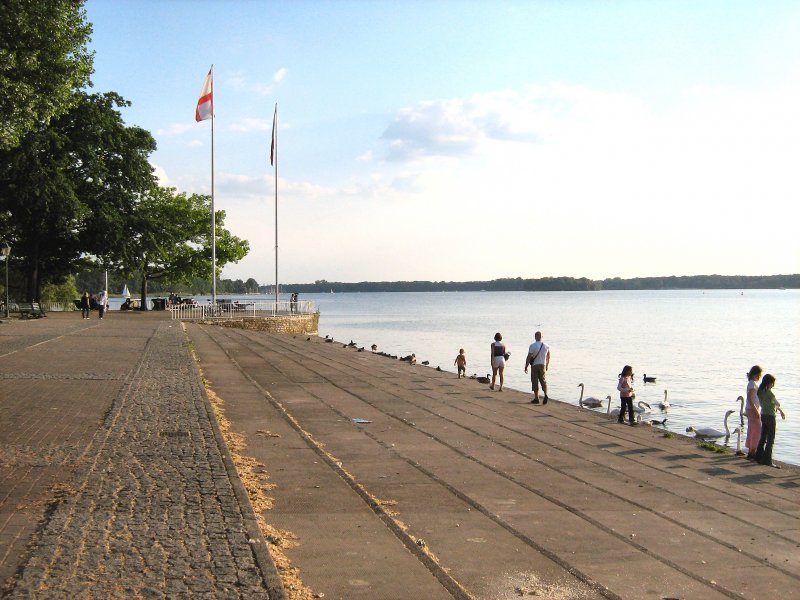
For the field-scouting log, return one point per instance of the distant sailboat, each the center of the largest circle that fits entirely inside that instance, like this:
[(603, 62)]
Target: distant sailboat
[(125, 292)]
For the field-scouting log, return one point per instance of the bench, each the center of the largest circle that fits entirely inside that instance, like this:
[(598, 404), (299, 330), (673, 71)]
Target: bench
[(30, 310)]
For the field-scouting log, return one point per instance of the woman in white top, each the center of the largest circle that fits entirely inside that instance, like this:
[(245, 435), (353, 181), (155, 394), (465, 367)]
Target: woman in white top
[(753, 412), (498, 350)]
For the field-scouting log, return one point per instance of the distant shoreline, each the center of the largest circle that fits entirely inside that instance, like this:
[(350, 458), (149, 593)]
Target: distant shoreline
[(557, 284)]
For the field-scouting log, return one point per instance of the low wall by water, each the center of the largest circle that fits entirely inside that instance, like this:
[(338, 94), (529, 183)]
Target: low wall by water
[(302, 324)]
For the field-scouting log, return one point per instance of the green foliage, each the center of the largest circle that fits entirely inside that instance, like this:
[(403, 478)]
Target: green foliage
[(64, 292), (43, 61), (547, 284), (69, 186), (167, 235), (669, 435), (712, 447)]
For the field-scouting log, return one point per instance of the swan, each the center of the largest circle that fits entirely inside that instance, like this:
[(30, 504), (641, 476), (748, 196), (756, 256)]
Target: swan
[(649, 379), (741, 411), (590, 402), (640, 408), (486, 379), (664, 404), (710, 432)]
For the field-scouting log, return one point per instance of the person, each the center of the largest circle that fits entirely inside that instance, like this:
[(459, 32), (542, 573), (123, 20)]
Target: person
[(101, 303), (293, 302), (461, 363), (498, 351), (86, 305), (171, 300), (769, 404), (626, 394), (539, 360), (753, 412)]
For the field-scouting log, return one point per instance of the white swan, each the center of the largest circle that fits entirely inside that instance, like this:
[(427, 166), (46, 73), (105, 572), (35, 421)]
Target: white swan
[(590, 402), (741, 411), (664, 404), (710, 432), (640, 408)]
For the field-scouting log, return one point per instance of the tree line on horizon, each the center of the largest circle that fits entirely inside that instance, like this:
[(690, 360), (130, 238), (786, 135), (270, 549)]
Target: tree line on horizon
[(557, 284)]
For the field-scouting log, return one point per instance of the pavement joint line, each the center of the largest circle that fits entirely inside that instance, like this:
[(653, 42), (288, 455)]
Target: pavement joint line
[(708, 582), (266, 565), (447, 581)]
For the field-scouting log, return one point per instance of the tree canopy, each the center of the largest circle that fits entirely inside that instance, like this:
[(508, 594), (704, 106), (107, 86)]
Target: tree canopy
[(43, 62)]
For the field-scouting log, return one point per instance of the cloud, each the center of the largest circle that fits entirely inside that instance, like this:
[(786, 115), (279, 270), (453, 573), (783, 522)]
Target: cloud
[(161, 174), (534, 115), (280, 74), (175, 129)]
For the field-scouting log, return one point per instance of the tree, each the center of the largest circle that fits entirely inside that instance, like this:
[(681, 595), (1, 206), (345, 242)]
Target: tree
[(168, 235), (70, 186), (43, 62), (251, 286)]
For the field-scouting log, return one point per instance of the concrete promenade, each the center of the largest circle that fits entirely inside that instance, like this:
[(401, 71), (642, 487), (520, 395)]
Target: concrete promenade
[(115, 481)]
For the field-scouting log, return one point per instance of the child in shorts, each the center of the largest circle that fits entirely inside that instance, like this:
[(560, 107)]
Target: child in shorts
[(461, 363)]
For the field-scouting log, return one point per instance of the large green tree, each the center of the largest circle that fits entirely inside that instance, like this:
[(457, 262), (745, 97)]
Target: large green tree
[(68, 186), (167, 234), (43, 62)]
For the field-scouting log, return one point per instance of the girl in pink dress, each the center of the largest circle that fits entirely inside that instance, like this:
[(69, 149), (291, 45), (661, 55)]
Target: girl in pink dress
[(753, 412)]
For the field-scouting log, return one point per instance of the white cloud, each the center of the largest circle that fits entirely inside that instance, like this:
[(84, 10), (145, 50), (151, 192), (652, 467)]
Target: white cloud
[(175, 129), (280, 74)]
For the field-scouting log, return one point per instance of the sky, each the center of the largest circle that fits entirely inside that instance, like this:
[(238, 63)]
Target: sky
[(471, 140)]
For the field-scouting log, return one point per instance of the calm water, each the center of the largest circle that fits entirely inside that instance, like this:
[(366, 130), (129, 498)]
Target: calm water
[(699, 344)]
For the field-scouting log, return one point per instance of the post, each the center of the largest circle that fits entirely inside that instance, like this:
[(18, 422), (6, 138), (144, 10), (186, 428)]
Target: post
[(213, 215), (275, 156), (7, 254)]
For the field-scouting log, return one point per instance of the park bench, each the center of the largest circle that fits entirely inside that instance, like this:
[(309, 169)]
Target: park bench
[(30, 310)]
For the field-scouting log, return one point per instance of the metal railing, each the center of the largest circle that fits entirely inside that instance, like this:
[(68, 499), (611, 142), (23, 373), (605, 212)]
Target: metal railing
[(240, 310)]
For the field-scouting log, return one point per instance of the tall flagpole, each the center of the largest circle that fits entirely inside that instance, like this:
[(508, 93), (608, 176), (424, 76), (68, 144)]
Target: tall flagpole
[(274, 157), (213, 215)]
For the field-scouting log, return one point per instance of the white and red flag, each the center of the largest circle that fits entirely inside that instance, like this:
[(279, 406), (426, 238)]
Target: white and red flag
[(205, 105)]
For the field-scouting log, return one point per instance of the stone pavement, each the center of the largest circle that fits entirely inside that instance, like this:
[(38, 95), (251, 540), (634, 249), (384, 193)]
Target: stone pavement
[(446, 489), (393, 481), (114, 479)]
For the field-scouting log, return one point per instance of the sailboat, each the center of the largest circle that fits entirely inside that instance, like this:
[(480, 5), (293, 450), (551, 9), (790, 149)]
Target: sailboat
[(125, 292)]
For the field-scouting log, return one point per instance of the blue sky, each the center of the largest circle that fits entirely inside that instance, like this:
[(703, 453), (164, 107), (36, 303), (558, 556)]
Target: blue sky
[(474, 140)]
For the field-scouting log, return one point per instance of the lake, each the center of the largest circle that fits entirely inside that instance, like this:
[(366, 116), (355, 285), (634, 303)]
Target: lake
[(698, 343)]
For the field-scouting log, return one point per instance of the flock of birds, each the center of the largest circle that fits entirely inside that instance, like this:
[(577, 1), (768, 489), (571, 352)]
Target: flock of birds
[(642, 409)]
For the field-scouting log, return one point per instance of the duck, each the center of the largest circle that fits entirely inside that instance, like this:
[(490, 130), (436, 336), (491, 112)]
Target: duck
[(590, 402), (486, 379), (425, 362), (710, 432), (374, 347), (664, 404), (649, 379)]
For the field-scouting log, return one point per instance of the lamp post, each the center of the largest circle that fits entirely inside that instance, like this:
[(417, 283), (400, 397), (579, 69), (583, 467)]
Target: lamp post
[(7, 254)]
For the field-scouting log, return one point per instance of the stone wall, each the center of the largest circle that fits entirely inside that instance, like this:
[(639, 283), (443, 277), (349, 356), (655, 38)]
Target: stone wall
[(307, 324)]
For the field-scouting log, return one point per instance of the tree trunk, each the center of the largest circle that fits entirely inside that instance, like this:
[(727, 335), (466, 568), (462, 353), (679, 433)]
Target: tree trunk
[(144, 291)]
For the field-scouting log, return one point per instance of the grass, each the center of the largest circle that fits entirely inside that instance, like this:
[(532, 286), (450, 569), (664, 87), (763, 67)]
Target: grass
[(669, 435), (712, 447)]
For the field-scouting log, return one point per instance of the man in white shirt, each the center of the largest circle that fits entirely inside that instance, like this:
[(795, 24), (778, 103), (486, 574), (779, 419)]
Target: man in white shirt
[(539, 360)]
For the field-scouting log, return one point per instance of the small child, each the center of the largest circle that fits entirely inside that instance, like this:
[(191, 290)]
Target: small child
[(461, 363), (626, 394)]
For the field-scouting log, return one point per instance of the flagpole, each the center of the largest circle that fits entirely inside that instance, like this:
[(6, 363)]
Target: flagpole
[(213, 215), (275, 155)]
